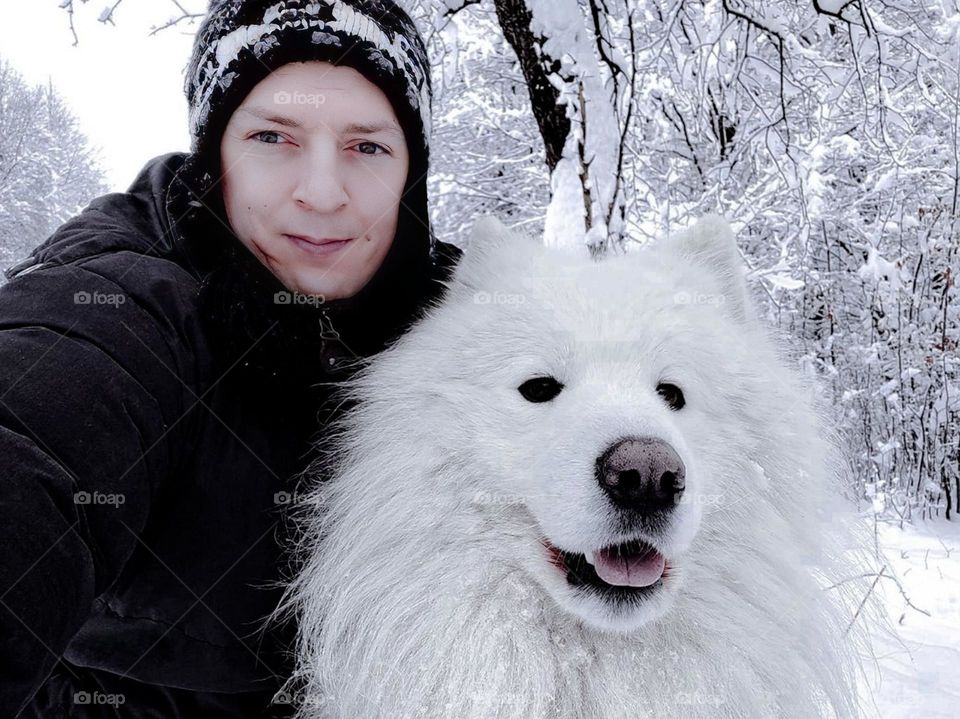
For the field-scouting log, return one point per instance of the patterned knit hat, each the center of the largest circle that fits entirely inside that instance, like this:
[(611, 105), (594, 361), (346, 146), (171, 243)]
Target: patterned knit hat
[(240, 42)]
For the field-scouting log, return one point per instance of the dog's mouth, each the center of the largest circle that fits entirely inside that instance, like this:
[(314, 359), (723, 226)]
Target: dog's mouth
[(623, 570)]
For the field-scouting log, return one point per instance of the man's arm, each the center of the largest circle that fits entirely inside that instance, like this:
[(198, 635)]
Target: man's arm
[(92, 395)]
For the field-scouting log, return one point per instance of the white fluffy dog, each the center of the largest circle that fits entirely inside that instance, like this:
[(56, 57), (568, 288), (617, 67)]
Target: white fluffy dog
[(580, 490)]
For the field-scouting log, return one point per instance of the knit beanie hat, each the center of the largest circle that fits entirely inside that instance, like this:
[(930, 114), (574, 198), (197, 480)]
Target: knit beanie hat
[(238, 44)]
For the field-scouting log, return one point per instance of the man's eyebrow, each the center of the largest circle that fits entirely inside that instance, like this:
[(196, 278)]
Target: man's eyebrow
[(267, 116), (362, 128), (359, 128)]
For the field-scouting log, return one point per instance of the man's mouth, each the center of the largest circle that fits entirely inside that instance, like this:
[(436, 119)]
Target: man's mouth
[(318, 246), (631, 568)]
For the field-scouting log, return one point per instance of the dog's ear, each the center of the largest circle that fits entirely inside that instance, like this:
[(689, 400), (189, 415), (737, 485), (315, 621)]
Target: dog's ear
[(711, 244), (488, 230), (491, 243)]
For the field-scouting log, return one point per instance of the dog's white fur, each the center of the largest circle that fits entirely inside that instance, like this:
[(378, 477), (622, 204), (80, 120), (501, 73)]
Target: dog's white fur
[(425, 590)]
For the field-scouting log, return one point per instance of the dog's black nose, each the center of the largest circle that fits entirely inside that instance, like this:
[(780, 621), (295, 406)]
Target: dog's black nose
[(642, 474)]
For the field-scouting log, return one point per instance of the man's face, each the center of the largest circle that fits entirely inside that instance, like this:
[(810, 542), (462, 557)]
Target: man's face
[(315, 153)]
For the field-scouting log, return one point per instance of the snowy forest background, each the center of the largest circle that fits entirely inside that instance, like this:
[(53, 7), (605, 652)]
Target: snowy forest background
[(825, 130)]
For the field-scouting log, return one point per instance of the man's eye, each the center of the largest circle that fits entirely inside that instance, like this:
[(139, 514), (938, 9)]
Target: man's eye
[(369, 148), (268, 133)]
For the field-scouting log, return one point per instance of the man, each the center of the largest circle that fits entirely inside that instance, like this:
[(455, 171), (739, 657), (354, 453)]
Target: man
[(165, 354)]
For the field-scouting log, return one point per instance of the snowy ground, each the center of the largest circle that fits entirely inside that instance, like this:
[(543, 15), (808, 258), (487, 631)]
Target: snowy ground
[(920, 668)]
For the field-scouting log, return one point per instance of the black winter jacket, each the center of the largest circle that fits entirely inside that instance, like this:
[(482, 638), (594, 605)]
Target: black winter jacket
[(156, 404)]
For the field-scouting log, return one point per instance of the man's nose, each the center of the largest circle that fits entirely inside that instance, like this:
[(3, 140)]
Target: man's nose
[(321, 184)]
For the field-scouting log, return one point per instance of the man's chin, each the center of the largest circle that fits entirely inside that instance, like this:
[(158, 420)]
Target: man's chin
[(330, 284), (322, 291), (322, 284)]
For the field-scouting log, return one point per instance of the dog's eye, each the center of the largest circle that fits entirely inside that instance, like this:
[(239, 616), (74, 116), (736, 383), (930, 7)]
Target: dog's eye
[(672, 394), (540, 389)]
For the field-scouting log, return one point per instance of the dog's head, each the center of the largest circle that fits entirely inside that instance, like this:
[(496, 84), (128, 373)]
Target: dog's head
[(606, 409)]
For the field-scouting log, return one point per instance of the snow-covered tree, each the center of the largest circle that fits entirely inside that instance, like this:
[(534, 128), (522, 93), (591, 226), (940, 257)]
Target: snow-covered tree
[(48, 171)]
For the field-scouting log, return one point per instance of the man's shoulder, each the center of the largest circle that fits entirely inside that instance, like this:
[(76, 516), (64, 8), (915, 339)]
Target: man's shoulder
[(129, 305), (118, 227)]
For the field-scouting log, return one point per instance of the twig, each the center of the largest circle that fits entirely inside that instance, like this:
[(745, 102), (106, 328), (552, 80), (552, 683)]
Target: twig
[(68, 6), (865, 598), (184, 15), (107, 15)]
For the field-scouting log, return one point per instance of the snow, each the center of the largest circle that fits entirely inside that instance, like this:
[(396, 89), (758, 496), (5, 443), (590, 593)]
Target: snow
[(878, 268), (591, 109), (882, 27), (784, 281), (561, 23), (565, 215), (451, 38), (919, 668), (833, 6)]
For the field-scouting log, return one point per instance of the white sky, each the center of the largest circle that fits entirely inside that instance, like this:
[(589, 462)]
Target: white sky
[(124, 86)]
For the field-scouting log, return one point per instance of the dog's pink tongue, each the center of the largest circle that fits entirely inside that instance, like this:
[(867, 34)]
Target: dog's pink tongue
[(637, 570)]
